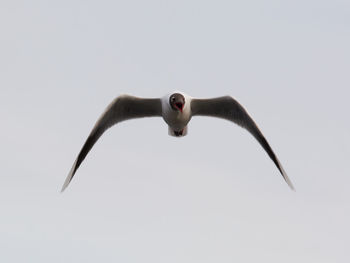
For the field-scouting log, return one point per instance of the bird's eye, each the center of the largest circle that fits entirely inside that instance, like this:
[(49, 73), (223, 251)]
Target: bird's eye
[(173, 98)]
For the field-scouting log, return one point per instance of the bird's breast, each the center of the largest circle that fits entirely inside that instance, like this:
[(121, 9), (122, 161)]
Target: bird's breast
[(176, 120)]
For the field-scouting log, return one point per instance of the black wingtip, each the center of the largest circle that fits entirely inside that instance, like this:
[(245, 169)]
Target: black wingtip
[(70, 176), (285, 176)]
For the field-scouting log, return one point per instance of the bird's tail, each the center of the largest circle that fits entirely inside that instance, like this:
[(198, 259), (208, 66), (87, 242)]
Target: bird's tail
[(180, 133)]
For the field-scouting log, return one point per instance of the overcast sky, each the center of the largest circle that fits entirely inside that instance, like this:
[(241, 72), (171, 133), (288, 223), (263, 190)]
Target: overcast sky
[(142, 196)]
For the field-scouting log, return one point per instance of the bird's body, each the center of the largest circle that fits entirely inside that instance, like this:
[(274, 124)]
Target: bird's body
[(177, 120), (177, 109)]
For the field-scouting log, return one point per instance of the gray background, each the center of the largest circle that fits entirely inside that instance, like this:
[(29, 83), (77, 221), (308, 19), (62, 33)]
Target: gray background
[(142, 196)]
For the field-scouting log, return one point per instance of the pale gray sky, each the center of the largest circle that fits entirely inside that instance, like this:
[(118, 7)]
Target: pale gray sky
[(61, 64)]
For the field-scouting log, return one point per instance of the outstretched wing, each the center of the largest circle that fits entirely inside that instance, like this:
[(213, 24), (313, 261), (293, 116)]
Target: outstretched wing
[(229, 109), (122, 108)]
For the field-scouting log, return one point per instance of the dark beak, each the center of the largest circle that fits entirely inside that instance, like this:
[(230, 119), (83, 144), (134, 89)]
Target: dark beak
[(179, 105)]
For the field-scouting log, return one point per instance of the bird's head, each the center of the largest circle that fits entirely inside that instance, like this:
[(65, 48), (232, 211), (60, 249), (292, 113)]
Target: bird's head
[(177, 101)]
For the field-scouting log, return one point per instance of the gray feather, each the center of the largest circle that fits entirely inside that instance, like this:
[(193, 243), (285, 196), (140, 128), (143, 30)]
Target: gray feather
[(229, 109), (122, 108)]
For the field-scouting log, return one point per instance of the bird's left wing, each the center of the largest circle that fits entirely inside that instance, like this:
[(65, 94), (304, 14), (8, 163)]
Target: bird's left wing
[(228, 108), (122, 108)]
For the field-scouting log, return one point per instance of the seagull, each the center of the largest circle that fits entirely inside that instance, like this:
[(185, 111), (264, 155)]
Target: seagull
[(177, 109)]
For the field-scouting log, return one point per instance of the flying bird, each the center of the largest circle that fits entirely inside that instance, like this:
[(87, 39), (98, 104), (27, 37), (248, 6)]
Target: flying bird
[(177, 109)]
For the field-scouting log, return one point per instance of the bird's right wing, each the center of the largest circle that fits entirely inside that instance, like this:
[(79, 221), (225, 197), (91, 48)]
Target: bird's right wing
[(228, 108), (122, 108)]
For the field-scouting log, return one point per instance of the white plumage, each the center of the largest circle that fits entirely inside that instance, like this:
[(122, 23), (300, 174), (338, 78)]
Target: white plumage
[(177, 109)]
